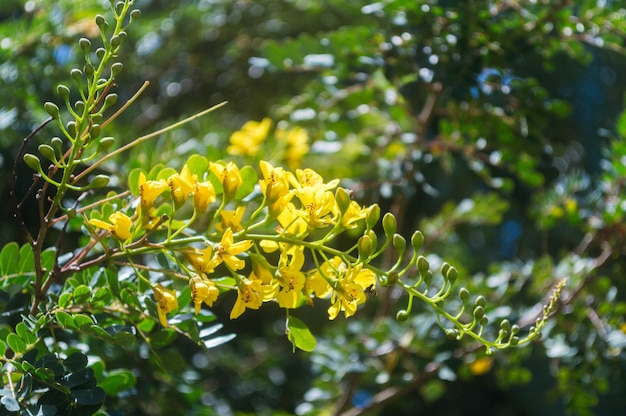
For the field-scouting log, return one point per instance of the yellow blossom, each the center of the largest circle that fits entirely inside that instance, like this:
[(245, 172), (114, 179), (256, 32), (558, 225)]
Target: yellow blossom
[(296, 145), (149, 191), (202, 290), (181, 185), (291, 279), (119, 225), (353, 214), (229, 176), (202, 260), (480, 366), (166, 302), (248, 140), (231, 219), (203, 195), (226, 251), (250, 294), (317, 206), (308, 177), (317, 283), (349, 291), (275, 187)]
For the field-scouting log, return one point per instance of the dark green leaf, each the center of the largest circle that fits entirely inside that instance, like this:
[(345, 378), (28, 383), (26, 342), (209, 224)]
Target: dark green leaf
[(162, 338), (83, 378), (75, 361), (113, 282)]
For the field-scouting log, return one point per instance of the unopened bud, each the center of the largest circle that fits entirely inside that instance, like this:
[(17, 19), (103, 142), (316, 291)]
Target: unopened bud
[(116, 68), (389, 224), (464, 294), (52, 109), (399, 243), (422, 265), (365, 247), (372, 216), (100, 53), (417, 239), (402, 315), (47, 151), (32, 162), (99, 181), (479, 312), (63, 91), (84, 44)]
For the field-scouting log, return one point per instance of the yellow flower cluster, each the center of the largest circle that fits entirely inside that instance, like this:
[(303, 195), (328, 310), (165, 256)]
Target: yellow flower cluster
[(296, 203)]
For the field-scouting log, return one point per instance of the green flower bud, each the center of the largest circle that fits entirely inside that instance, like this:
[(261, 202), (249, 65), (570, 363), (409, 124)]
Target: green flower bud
[(80, 107), (464, 294), (99, 181), (392, 278), (57, 143), (63, 91), (422, 265), (101, 22), (372, 216), (452, 274), (389, 224), (417, 239), (343, 199), (514, 341), (84, 44), (97, 119), (115, 42), (52, 109), (89, 70), (71, 126), (109, 100), (119, 7), (76, 75), (135, 14), (105, 143), (116, 68), (95, 131), (365, 247), (372, 235), (100, 52), (402, 315), (515, 330), (479, 312), (47, 151), (428, 277), (452, 333), (481, 301), (484, 321), (32, 162), (399, 243), (445, 266), (505, 325)]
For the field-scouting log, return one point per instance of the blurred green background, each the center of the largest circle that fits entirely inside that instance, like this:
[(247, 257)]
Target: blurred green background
[(494, 127)]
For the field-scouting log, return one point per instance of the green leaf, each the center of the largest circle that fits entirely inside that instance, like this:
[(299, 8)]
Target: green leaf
[(102, 333), (82, 320), (133, 181), (249, 179), (124, 339), (8, 255), (26, 262), (16, 343), (198, 165), (113, 282), (82, 294), (162, 338), (3, 348), (65, 299), (65, 320), (22, 330), (300, 335), (117, 381)]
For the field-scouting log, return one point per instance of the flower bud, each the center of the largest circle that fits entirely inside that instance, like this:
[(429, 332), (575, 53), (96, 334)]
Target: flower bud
[(100, 53), (32, 162), (105, 143), (52, 109), (399, 243), (505, 325), (89, 70), (422, 265), (80, 107), (372, 216), (84, 44), (372, 235), (116, 68), (115, 41), (63, 91), (47, 151), (135, 14), (101, 22), (365, 247), (392, 278), (481, 301), (445, 266), (99, 181), (417, 239), (110, 100), (452, 333), (76, 75), (402, 315), (343, 199), (479, 312), (452, 274), (57, 144), (464, 294), (389, 224), (95, 130)]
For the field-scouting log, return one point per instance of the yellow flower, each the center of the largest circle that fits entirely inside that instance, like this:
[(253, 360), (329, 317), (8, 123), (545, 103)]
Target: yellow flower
[(226, 251), (308, 177), (317, 283), (480, 366), (353, 214), (247, 141), (229, 176), (296, 145), (250, 294), (203, 195), (349, 291), (231, 219), (166, 301), (202, 260), (181, 185), (119, 225), (317, 206), (291, 279), (275, 187), (149, 191), (202, 290)]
